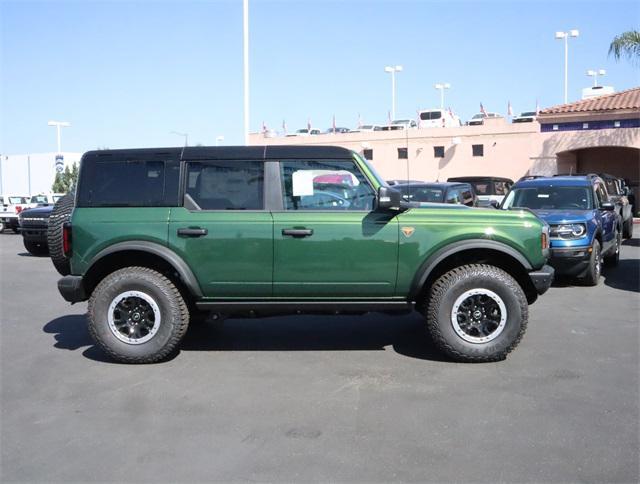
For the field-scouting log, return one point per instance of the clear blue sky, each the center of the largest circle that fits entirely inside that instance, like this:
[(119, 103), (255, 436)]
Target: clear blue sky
[(125, 74)]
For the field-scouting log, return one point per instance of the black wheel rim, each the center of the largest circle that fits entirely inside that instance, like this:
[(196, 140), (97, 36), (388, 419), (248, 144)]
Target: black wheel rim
[(479, 315), (134, 317)]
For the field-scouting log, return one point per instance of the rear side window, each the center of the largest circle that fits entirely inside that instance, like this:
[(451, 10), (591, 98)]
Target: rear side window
[(226, 185), (133, 183)]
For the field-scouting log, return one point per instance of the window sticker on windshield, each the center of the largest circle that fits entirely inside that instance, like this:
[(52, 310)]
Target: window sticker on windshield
[(302, 181), (543, 195)]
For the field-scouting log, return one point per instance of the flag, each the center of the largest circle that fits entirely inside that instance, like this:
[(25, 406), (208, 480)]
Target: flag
[(284, 127), (509, 110), (451, 113), (484, 113), (264, 128), (309, 124), (359, 121), (334, 124)]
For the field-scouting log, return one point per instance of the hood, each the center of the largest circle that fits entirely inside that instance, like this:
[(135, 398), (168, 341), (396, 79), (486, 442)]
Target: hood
[(38, 212), (563, 216)]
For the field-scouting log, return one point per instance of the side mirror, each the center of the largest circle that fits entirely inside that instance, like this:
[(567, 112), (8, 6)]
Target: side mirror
[(607, 206), (389, 199)]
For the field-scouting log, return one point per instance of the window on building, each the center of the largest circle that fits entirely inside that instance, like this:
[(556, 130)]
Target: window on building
[(477, 150), (616, 124), (438, 151), (585, 125), (368, 154), (403, 153), (555, 127)]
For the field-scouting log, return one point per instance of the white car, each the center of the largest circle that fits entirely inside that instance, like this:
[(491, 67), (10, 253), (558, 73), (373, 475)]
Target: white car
[(44, 199), (10, 207), (367, 128), (306, 132), (526, 117), (479, 118), (438, 118), (405, 123)]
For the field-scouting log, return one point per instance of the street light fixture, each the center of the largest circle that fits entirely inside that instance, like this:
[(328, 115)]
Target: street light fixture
[(58, 125), (186, 137), (560, 36), (595, 74), (442, 87), (392, 70)]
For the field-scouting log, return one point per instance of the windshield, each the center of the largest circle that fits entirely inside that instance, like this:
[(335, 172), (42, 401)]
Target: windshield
[(528, 113), (422, 194), (478, 116), (367, 126), (549, 198), (372, 170), (612, 186), (39, 199), (401, 121), (13, 200)]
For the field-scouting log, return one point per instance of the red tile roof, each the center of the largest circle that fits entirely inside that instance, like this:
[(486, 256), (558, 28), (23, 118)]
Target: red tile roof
[(629, 99)]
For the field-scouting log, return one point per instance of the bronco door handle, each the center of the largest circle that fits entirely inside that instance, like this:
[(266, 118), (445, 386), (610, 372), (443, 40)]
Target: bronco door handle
[(298, 232), (192, 232)]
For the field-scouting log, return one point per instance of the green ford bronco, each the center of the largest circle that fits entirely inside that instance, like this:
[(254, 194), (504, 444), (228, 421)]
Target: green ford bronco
[(156, 238)]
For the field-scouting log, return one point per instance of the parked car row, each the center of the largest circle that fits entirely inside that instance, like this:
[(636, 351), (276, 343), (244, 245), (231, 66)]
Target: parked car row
[(432, 118), (12, 205), (588, 214)]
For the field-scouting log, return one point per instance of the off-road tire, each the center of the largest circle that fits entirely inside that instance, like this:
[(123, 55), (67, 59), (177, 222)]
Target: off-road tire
[(173, 324), (627, 229), (60, 214), (35, 248), (595, 266), (453, 285), (613, 258)]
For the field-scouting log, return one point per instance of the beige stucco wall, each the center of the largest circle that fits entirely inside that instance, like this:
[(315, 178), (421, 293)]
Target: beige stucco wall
[(510, 150)]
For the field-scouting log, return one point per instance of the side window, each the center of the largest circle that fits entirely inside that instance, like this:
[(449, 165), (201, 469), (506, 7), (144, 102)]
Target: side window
[(226, 185), (124, 183), (601, 195), (453, 196), (325, 185), (501, 188), (467, 196)]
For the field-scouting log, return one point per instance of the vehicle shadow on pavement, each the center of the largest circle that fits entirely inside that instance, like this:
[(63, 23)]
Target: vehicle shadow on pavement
[(405, 334), (27, 254), (625, 276), (631, 242)]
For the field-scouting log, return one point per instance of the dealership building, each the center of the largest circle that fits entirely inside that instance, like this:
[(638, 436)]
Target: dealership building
[(600, 134)]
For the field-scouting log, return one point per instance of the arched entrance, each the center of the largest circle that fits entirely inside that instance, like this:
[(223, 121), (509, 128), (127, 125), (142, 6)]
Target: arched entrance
[(620, 161)]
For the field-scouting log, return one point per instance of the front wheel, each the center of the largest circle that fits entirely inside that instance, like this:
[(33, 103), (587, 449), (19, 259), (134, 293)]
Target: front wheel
[(35, 248), (614, 257), (476, 313), (595, 266), (137, 315)]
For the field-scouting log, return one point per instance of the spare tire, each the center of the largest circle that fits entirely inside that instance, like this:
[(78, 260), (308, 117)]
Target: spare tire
[(60, 214)]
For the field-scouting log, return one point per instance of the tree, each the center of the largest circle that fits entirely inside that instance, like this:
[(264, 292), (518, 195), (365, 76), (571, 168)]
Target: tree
[(627, 44), (66, 180)]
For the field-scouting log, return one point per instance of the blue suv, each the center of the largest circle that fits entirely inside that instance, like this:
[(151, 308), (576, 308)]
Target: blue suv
[(584, 227)]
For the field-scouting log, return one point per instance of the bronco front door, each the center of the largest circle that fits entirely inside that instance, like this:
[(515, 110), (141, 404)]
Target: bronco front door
[(328, 241)]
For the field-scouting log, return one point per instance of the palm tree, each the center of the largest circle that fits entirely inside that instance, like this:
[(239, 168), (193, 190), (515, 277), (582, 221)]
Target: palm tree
[(627, 44)]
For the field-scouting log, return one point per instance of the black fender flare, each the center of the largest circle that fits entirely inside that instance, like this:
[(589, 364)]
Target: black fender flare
[(181, 267), (425, 269)]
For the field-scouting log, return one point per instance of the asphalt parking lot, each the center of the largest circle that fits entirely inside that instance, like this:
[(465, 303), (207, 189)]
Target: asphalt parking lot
[(316, 398)]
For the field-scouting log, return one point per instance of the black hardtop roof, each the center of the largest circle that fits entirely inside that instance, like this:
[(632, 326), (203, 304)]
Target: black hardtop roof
[(272, 152), (478, 178)]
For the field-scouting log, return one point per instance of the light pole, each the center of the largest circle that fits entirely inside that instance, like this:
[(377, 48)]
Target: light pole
[(565, 36), (219, 139), (442, 87), (393, 70), (186, 137), (58, 125), (595, 74), (245, 34)]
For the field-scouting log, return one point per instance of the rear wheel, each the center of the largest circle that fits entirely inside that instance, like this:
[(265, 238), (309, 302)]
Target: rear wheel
[(60, 214), (476, 313), (36, 248), (628, 228), (595, 266), (614, 257), (137, 315)]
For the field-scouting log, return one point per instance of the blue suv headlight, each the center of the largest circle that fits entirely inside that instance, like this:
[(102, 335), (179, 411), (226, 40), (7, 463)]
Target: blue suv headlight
[(568, 231)]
